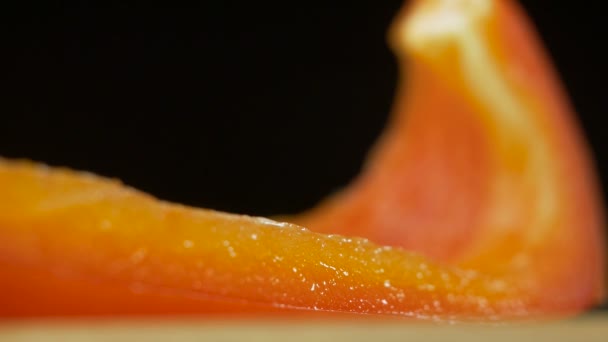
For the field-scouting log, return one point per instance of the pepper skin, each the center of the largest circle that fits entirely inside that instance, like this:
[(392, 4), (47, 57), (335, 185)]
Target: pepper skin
[(480, 201), (483, 165)]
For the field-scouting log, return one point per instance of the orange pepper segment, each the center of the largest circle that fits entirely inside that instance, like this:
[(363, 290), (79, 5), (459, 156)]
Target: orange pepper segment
[(482, 166), (79, 227), (481, 175)]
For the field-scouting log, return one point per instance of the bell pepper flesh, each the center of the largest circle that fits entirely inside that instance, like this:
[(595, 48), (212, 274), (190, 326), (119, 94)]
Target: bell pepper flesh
[(79, 239), (481, 185), (483, 165)]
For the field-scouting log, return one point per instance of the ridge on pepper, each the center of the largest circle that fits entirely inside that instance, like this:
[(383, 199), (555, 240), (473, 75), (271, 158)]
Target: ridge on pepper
[(479, 200)]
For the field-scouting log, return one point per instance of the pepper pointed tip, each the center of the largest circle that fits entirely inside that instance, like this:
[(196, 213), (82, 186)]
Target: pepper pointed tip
[(429, 27)]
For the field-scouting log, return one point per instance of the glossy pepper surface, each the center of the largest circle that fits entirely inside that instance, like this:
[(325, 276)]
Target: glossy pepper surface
[(480, 202)]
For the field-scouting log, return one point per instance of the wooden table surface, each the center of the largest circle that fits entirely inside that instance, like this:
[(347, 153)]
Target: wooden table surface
[(590, 327)]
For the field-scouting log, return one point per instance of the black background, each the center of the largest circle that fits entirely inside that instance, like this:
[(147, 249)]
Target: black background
[(250, 107)]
